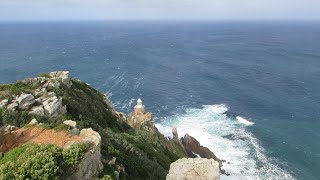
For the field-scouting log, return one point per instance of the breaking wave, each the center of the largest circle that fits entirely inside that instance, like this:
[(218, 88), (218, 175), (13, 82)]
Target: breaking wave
[(228, 139)]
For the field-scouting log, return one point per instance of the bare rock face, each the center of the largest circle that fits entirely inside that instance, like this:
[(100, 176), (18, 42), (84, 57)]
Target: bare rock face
[(53, 106), (25, 101), (194, 169), (63, 76), (37, 110), (192, 147), (3, 103), (91, 164), (175, 134)]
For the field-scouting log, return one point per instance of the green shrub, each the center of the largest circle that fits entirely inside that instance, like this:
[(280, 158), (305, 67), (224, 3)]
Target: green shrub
[(31, 161), (73, 155)]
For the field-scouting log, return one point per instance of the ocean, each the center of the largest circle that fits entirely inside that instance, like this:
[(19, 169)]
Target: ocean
[(250, 91)]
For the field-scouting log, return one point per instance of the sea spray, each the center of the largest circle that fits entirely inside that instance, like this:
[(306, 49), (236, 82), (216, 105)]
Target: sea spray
[(227, 138)]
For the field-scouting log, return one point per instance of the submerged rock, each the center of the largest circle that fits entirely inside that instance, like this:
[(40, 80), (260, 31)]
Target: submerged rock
[(194, 169)]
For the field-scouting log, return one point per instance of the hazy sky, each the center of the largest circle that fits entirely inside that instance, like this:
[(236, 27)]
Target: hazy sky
[(158, 9)]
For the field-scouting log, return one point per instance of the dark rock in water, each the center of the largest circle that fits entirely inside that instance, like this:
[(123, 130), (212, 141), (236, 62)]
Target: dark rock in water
[(191, 145)]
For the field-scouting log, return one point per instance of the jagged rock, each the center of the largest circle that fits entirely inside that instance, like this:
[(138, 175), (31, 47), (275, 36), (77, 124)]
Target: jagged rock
[(53, 106), (54, 84), (194, 169), (37, 110), (25, 101), (175, 134), (33, 122), (91, 164), (191, 145), (108, 103), (3, 103), (70, 124), (12, 106), (112, 161), (63, 76)]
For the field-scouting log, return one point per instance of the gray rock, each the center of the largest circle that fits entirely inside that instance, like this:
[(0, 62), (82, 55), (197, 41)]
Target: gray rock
[(38, 110), (54, 84), (3, 103), (53, 106), (70, 123), (33, 122), (25, 101), (12, 106), (194, 168), (1, 154), (74, 131)]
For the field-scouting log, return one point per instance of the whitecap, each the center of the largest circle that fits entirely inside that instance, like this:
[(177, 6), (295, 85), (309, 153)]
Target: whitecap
[(244, 121), (246, 158), (219, 108)]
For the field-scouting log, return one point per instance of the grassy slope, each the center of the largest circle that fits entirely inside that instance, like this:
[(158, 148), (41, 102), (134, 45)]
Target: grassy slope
[(144, 153)]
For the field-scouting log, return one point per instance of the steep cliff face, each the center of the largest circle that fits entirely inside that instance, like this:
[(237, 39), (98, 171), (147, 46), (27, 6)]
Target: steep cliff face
[(194, 169)]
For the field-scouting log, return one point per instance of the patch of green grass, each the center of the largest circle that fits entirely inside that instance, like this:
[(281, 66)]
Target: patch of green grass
[(59, 127), (18, 88), (46, 75)]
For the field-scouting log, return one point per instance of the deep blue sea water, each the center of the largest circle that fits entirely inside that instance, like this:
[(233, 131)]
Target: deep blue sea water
[(188, 74)]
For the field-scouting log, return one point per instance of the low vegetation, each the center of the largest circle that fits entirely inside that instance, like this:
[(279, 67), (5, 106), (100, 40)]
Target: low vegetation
[(31, 161), (144, 153)]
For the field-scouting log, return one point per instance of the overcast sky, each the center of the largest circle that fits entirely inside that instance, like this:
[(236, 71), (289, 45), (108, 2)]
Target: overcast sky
[(24, 10)]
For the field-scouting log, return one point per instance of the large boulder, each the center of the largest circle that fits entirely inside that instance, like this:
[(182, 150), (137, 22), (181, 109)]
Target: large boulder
[(193, 147), (25, 101), (194, 169), (53, 106)]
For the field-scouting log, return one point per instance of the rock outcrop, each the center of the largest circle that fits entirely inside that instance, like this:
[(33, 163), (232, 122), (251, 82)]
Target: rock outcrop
[(193, 148), (25, 101), (40, 101), (194, 169), (91, 164)]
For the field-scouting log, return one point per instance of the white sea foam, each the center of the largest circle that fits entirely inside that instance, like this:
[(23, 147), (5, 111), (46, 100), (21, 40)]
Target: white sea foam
[(228, 139), (244, 121), (219, 108)]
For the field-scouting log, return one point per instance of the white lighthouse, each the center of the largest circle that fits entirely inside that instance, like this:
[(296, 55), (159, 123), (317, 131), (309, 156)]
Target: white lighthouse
[(139, 108)]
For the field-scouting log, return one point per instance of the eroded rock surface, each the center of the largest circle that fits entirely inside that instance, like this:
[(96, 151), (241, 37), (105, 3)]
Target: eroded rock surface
[(194, 169)]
